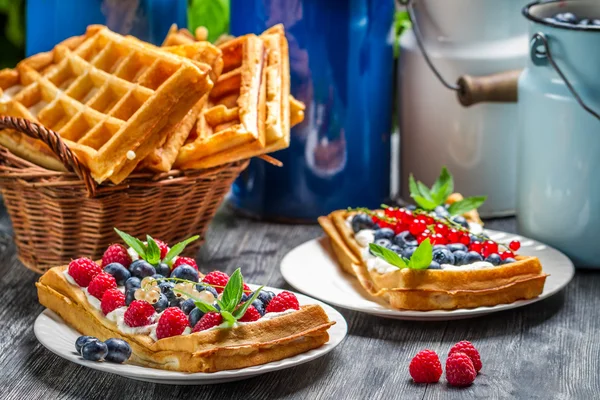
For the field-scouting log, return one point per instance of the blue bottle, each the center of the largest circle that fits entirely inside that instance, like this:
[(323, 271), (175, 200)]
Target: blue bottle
[(341, 61)]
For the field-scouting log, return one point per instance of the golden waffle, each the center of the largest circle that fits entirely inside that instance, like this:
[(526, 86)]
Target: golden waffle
[(112, 99), (207, 351), (423, 290)]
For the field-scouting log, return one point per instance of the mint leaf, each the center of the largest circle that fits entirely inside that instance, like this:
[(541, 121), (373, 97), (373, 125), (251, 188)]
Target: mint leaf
[(422, 256), (465, 205), (421, 194), (239, 313), (232, 294), (412, 186), (442, 187), (424, 190), (228, 318), (178, 248), (424, 203), (205, 307), (132, 242), (388, 255), (212, 14), (152, 251)]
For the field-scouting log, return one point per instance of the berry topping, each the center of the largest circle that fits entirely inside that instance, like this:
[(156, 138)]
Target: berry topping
[(186, 272), (260, 306), (283, 301), (188, 305), (508, 261), (119, 350), (489, 247), (100, 284), (460, 370), (515, 245), (362, 221), (507, 254), (82, 341), (250, 315), (116, 253), (118, 271), (139, 313), (164, 248), (207, 321), (161, 304), (467, 347), (217, 279), (425, 367), (94, 350), (163, 269), (384, 233), (443, 256), (172, 322), (133, 283), (141, 269), (111, 300), (247, 289), (195, 316), (494, 259), (83, 270), (460, 257), (185, 260), (472, 257), (265, 296)]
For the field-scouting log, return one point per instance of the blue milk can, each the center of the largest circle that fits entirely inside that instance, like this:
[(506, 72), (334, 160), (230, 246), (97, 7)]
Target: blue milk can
[(341, 61)]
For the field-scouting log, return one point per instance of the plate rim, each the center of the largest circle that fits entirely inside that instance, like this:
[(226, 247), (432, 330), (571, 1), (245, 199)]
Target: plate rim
[(432, 315), (337, 334)]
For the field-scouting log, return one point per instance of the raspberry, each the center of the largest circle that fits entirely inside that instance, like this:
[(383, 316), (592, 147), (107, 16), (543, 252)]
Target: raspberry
[(111, 300), (83, 270), (139, 313), (164, 248), (250, 315), (460, 370), (467, 347), (185, 260), (207, 321), (172, 322), (217, 279), (425, 367), (283, 301), (100, 284), (247, 289), (116, 253)]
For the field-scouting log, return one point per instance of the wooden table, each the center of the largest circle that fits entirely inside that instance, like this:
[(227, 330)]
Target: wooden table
[(549, 350)]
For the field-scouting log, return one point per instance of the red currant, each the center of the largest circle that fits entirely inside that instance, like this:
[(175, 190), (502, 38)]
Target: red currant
[(454, 236), (464, 239), (490, 247), (390, 212), (437, 238), (506, 254), (417, 227), (441, 229), (476, 247), (400, 227), (515, 245), (428, 220)]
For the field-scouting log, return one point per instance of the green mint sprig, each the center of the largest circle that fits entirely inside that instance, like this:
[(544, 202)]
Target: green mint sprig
[(429, 198), (150, 251), (420, 259)]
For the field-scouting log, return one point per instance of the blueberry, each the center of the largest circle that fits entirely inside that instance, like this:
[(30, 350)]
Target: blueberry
[(434, 265), (244, 298), (508, 260), (187, 306), (94, 350), (384, 233), (119, 350), (265, 296), (158, 276), (443, 256), (472, 257), (130, 295), (441, 212), (141, 269), (133, 283), (161, 304), (404, 239), (494, 259), (186, 272), (396, 249), (362, 221), (195, 316), (82, 341), (439, 246), (176, 302), (166, 287), (163, 269), (411, 207), (119, 272), (383, 242), (260, 307), (459, 219), (408, 251), (460, 257), (566, 18), (209, 289), (457, 246)]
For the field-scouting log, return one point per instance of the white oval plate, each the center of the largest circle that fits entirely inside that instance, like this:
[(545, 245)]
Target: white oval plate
[(58, 337), (313, 269)]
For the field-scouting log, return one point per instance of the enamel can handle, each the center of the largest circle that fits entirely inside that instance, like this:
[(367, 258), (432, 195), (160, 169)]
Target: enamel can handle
[(501, 87)]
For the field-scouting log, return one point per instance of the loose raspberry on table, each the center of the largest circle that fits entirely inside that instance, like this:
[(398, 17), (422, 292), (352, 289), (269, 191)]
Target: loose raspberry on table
[(111, 300), (460, 370), (100, 284), (250, 315), (207, 321), (467, 347), (185, 260), (83, 270), (283, 301), (425, 367), (164, 248), (116, 253), (216, 279), (139, 313), (172, 322)]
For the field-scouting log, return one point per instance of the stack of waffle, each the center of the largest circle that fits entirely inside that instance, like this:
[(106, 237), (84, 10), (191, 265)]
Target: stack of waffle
[(121, 104)]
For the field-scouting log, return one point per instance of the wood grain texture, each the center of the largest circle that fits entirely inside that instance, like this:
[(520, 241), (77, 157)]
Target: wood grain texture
[(548, 350)]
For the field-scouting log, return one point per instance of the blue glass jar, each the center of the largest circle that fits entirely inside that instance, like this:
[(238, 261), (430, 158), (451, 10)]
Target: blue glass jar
[(341, 61)]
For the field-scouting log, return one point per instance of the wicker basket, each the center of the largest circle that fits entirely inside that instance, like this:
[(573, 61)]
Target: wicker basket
[(58, 216)]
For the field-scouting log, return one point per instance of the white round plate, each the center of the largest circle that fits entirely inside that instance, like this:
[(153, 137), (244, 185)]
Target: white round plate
[(59, 338), (302, 265)]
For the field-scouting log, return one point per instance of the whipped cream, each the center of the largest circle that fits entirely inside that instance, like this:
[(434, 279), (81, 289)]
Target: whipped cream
[(364, 237), (118, 316)]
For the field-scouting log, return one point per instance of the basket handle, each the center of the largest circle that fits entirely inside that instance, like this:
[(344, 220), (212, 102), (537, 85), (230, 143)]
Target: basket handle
[(53, 140)]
